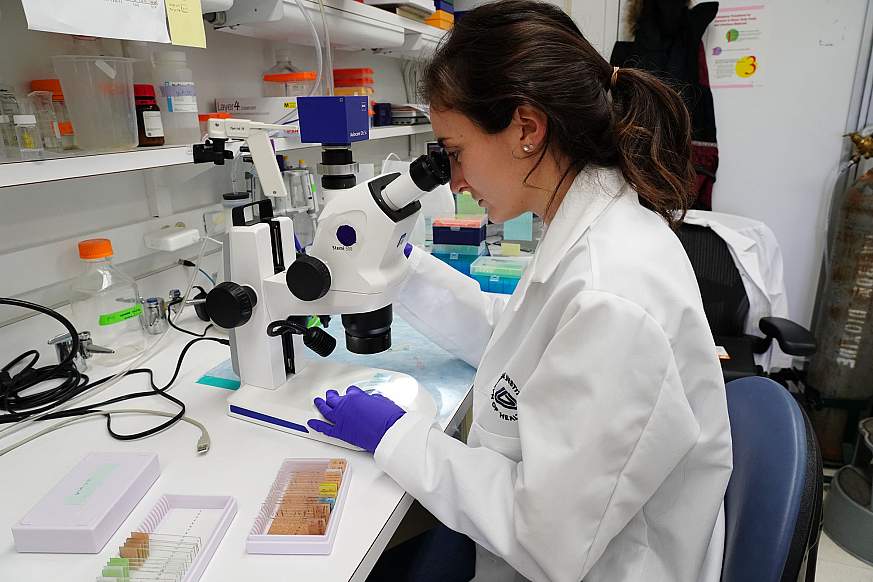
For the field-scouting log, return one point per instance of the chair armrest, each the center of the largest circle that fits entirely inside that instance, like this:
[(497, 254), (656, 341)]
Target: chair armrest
[(793, 338)]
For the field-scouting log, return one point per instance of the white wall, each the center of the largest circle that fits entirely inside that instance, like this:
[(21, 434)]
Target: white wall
[(779, 143), (598, 20), (33, 216)]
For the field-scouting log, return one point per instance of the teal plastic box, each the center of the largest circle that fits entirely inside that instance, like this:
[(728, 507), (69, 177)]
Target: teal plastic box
[(459, 257), (499, 274)]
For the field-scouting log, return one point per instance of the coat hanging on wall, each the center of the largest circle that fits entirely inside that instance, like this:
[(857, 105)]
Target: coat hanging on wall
[(668, 43)]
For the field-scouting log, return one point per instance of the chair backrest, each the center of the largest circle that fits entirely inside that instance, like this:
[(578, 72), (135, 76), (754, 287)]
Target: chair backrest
[(721, 287), (773, 500)]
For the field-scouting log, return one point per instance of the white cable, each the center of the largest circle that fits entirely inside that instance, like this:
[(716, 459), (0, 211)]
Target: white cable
[(203, 442), (328, 59), (13, 428), (317, 43)]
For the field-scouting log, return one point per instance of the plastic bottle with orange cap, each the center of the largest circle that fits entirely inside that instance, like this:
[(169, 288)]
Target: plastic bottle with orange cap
[(106, 302)]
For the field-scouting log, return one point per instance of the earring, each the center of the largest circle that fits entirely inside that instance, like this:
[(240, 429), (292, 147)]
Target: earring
[(527, 148)]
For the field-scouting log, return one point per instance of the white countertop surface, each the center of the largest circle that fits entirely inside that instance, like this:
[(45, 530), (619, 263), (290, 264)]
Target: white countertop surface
[(242, 462)]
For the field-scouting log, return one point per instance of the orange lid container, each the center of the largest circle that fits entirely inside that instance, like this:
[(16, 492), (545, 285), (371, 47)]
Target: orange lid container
[(346, 73), (53, 85), (354, 91), (285, 77), (460, 221), (95, 248), (352, 81)]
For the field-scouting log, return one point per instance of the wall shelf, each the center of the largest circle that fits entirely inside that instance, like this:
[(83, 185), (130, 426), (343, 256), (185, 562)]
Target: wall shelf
[(353, 26), (284, 145), (87, 165)]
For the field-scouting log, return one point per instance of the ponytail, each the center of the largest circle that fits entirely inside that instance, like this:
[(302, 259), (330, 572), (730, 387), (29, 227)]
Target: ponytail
[(513, 52), (653, 141)]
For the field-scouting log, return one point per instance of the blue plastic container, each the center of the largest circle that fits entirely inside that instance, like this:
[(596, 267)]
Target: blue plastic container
[(459, 257), (499, 274)]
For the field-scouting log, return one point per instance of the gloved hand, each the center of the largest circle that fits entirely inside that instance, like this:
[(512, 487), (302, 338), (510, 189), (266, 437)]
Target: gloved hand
[(407, 250), (358, 418)]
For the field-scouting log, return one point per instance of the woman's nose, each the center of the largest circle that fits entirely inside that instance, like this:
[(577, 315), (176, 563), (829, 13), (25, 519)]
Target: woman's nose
[(457, 183)]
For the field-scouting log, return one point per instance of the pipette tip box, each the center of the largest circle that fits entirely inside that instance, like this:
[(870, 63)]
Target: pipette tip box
[(86, 507)]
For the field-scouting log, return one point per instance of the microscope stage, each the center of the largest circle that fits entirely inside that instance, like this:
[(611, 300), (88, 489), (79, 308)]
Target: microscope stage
[(290, 406)]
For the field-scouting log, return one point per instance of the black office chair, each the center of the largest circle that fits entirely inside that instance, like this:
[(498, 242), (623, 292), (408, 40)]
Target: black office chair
[(773, 503), (727, 307)]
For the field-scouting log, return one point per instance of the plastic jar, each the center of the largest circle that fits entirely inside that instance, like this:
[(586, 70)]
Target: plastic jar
[(148, 116), (41, 106), (298, 84), (65, 126), (283, 79), (106, 302), (178, 98), (99, 92), (28, 136)]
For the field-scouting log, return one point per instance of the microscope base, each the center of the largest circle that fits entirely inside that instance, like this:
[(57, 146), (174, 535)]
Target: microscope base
[(290, 406)]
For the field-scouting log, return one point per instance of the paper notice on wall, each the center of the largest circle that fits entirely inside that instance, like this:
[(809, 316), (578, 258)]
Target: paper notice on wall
[(736, 46), (126, 19)]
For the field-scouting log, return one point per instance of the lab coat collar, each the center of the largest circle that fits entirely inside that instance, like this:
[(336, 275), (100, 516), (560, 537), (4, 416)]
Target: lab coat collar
[(593, 191)]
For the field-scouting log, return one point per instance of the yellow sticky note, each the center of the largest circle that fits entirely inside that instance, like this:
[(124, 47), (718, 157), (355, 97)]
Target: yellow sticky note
[(510, 249), (327, 489), (186, 23)]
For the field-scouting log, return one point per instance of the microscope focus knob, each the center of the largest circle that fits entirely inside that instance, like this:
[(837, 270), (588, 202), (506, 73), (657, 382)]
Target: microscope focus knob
[(230, 305), (308, 278)]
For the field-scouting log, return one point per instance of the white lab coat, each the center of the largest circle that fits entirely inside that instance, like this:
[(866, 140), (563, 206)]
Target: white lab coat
[(758, 258), (600, 446)]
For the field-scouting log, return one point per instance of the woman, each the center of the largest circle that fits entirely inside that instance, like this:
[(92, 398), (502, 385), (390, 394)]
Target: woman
[(600, 446)]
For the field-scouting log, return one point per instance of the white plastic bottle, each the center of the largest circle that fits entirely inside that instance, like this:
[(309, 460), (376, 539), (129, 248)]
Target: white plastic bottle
[(178, 98), (106, 302)]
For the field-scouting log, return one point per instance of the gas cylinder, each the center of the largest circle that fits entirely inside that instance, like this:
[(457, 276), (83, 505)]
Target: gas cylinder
[(842, 368)]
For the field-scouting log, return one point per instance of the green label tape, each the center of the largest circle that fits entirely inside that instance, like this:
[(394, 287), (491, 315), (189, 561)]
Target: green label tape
[(119, 316)]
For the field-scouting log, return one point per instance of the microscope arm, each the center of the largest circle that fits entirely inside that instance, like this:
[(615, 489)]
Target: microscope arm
[(256, 137)]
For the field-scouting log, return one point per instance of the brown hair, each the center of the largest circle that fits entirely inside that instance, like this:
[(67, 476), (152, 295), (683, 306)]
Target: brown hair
[(515, 52)]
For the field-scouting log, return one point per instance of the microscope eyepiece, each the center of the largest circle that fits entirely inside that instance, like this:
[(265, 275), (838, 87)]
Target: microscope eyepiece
[(431, 170)]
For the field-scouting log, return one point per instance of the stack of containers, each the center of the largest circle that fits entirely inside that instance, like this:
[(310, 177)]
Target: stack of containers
[(446, 6), (459, 241), (355, 82), (444, 16)]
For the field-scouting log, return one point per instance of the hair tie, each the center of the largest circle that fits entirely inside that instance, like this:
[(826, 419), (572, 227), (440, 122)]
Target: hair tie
[(614, 77)]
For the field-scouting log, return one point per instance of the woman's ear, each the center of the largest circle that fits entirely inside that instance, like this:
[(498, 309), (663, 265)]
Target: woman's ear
[(530, 125)]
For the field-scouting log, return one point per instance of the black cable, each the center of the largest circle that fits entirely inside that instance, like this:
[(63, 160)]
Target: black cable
[(176, 327), (21, 407), (155, 391), (13, 385)]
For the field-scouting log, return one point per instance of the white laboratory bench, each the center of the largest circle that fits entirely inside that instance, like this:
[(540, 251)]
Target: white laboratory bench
[(242, 462)]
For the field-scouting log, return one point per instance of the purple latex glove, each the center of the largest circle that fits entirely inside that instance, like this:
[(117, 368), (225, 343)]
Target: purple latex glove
[(358, 418), (407, 250)]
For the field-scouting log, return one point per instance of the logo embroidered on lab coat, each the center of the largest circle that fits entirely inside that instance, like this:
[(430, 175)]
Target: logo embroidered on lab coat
[(504, 398)]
